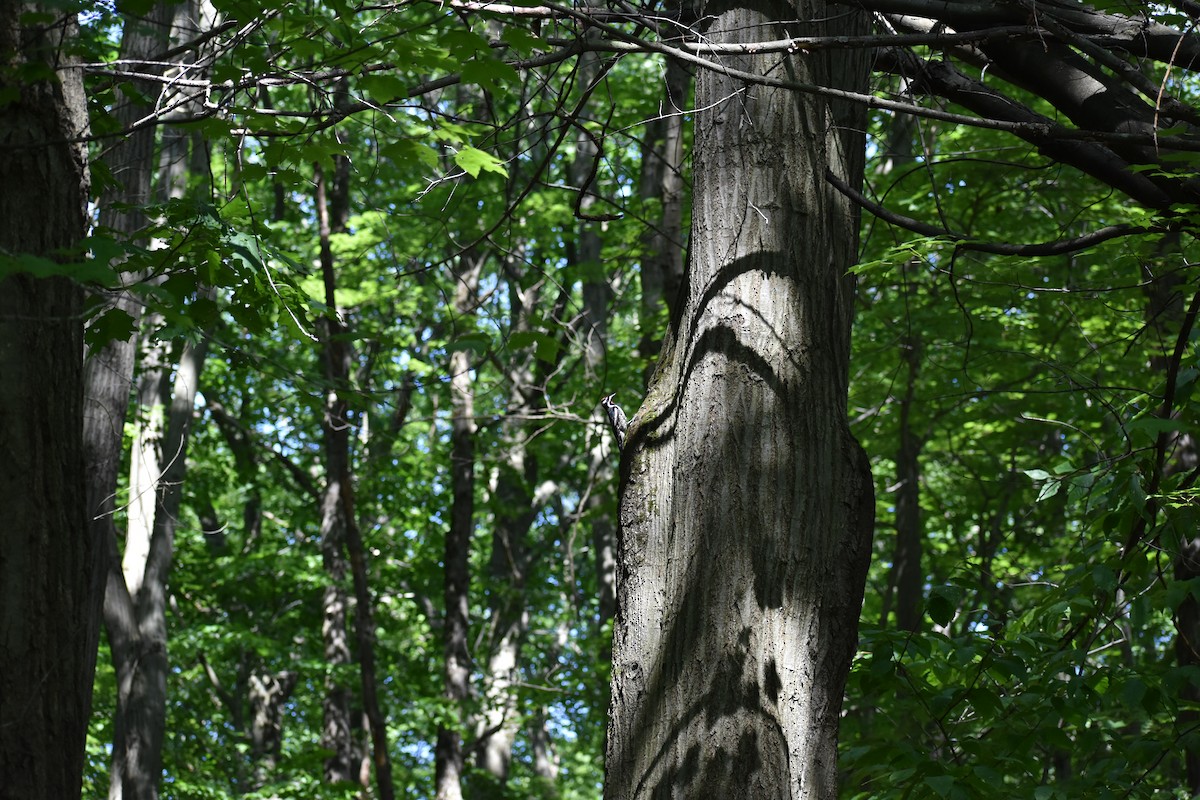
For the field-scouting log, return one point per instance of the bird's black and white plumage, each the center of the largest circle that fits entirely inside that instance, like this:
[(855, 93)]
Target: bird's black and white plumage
[(616, 418)]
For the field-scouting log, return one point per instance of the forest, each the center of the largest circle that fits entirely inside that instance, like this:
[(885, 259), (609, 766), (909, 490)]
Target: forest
[(307, 314)]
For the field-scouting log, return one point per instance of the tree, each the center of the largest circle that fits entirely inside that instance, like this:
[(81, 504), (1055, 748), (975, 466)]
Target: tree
[(50, 570), (746, 507), (1025, 406)]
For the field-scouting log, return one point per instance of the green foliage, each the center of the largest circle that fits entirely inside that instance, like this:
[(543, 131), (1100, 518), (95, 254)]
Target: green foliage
[(1044, 666)]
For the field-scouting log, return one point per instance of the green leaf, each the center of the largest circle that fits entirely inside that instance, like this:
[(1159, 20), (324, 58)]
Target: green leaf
[(472, 161), (488, 73), (522, 40), (942, 784), (1049, 489), (114, 325), (942, 604), (474, 342), (406, 151), (1156, 425), (382, 87), (547, 345)]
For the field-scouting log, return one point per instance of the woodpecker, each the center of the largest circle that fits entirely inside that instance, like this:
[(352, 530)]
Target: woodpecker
[(616, 418)]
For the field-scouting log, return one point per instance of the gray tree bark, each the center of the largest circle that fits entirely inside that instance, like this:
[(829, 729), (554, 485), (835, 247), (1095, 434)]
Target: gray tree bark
[(135, 596), (49, 565), (746, 503)]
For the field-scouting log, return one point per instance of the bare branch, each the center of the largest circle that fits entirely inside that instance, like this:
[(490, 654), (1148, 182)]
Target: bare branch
[(964, 242)]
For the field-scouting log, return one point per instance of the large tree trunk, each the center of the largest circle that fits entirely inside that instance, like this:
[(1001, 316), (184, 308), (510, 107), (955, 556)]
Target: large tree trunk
[(49, 565), (747, 505)]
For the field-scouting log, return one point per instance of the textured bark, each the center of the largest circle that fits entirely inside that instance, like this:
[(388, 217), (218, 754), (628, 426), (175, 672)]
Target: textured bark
[(746, 505), (456, 668), (49, 583)]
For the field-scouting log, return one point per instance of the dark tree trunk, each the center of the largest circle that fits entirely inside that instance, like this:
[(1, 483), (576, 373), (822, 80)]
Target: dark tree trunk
[(456, 560), (746, 505), (1165, 316), (908, 573), (49, 566), (338, 518), (343, 763)]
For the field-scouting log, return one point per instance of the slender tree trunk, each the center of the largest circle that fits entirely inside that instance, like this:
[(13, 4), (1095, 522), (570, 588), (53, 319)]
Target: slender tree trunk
[(108, 371), (500, 720), (135, 607), (342, 764), (139, 656), (906, 582), (1166, 315), (662, 179), (268, 695), (448, 755), (49, 565), (545, 760), (339, 526), (746, 504), (585, 254), (908, 573), (514, 506)]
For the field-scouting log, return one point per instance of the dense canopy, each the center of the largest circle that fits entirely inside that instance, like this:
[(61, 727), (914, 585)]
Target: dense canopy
[(356, 277)]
